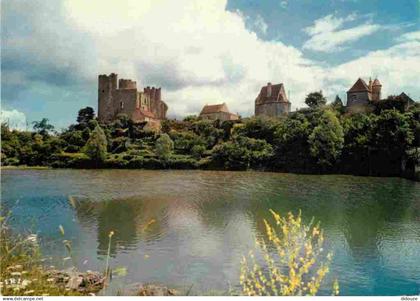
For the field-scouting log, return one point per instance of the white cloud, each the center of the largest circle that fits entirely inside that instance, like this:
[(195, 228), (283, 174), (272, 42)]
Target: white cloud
[(260, 25), (410, 36), (14, 118), (198, 50), (327, 35)]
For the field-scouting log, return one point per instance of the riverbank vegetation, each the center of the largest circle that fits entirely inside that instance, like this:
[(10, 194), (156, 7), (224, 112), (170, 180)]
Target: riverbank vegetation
[(320, 139), (25, 272), (294, 260)]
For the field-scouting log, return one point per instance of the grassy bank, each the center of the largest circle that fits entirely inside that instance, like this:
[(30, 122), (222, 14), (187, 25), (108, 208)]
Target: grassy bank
[(25, 167)]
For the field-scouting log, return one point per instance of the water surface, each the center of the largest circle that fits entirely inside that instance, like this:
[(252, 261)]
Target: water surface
[(205, 221)]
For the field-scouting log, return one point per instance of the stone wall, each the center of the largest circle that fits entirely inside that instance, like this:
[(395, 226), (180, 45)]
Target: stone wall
[(223, 116), (272, 109), (358, 98), (127, 84), (125, 101)]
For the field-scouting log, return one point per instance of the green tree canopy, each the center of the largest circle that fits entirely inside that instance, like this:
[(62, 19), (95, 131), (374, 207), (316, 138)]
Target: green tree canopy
[(326, 139), (291, 143), (85, 115), (259, 128), (315, 100), (392, 132), (43, 127), (243, 153)]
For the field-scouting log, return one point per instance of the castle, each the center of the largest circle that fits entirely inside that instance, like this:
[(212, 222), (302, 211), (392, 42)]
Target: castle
[(272, 101), (362, 94), (139, 106)]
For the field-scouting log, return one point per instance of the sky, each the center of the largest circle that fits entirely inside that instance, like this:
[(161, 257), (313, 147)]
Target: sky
[(200, 52)]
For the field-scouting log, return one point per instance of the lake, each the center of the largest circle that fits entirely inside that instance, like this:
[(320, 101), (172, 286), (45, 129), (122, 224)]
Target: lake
[(204, 221)]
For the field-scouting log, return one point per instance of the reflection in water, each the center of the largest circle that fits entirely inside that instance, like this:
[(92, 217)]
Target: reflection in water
[(131, 220), (205, 221)]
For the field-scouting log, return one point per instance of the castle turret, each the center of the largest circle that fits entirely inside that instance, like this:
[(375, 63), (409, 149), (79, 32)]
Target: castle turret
[(376, 90), (106, 86), (127, 84)]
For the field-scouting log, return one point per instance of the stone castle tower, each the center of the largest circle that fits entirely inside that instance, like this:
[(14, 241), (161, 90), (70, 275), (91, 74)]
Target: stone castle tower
[(106, 86), (124, 98), (272, 101)]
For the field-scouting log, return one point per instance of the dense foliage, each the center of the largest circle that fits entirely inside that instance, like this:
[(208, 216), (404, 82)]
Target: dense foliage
[(321, 139)]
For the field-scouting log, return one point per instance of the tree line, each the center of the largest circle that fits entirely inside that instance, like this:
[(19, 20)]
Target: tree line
[(323, 138)]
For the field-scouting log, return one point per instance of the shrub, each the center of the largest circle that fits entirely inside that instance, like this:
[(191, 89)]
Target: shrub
[(63, 159), (115, 161), (182, 162), (197, 151), (136, 162), (152, 163), (298, 264), (164, 147), (11, 162)]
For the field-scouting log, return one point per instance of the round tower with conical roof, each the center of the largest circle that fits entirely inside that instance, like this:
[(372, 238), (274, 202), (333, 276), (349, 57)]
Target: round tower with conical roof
[(376, 90)]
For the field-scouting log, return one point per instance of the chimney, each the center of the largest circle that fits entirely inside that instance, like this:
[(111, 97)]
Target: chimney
[(268, 89)]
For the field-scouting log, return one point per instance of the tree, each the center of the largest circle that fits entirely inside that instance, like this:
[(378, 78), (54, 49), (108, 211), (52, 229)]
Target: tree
[(164, 147), (42, 127), (338, 104), (207, 130), (392, 132), (96, 145), (243, 153), (259, 128), (326, 139), (357, 130), (338, 101), (85, 115), (291, 143), (315, 100)]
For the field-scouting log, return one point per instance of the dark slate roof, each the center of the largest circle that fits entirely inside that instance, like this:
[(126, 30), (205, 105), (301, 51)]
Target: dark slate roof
[(406, 98)]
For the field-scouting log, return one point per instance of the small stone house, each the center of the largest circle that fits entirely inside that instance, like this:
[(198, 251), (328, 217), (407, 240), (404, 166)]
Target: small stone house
[(272, 101), (219, 111)]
